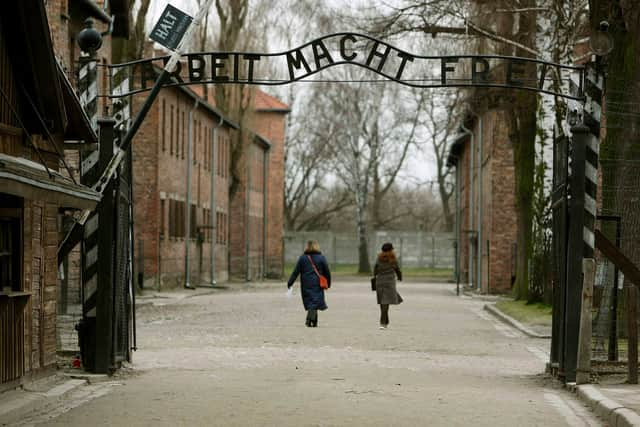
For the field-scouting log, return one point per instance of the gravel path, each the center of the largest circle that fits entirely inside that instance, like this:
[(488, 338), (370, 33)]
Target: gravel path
[(245, 358)]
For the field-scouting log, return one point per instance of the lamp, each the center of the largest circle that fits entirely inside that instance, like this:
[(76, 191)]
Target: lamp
[(601, 41), (89, 39)]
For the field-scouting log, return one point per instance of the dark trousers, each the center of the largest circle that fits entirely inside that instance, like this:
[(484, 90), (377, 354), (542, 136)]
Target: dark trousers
[(312, 315), (384, 314)]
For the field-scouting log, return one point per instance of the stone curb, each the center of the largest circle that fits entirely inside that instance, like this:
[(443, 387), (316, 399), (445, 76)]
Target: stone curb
[(612, 412), (491, 308), (17, 403)]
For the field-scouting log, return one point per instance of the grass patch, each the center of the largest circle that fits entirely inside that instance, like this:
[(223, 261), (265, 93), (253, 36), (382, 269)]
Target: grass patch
[(338, 270), (536, 313)]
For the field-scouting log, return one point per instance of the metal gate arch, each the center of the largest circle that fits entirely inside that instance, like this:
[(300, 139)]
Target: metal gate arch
[(298, 64)]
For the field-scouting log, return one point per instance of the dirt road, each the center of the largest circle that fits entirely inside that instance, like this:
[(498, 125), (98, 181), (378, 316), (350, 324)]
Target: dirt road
[(244, 358)]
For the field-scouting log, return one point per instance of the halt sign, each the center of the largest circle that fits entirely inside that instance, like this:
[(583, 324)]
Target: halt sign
[(170, 28)]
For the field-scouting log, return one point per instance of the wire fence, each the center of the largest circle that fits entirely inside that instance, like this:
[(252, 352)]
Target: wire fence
[(413, 248), (619, 222)]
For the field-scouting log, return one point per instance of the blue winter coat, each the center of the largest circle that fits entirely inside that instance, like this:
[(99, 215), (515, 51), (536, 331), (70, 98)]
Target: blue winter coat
[(312, 293)]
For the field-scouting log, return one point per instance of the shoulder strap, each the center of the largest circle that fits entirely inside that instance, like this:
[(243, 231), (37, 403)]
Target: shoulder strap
[(313, 265)]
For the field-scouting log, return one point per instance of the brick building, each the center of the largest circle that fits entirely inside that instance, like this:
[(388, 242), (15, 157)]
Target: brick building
[(486, 226), (160, 169), (246, 229), (39, 115)]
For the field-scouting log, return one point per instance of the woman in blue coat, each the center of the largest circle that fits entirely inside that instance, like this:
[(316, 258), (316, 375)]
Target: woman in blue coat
[(312, 293)]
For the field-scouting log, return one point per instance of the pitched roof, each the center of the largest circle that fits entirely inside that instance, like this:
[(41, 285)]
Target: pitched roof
[(267, 103)]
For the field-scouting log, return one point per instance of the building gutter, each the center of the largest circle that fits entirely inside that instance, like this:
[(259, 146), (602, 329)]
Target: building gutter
[(470, 231), (265, 210), (480, 203), (213, 202), (187, 220)]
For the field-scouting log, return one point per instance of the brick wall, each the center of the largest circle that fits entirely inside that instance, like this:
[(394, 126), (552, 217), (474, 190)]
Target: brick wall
[(160, 156), (503, 214), (498, 216), (272, 126)]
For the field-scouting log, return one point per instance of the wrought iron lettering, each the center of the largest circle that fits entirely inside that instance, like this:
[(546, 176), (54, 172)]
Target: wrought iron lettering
[(353, 49)]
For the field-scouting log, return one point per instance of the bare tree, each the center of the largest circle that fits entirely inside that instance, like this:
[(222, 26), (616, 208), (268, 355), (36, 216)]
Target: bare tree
[(442, 117), (395, 140), (132, 48), (310, 199)]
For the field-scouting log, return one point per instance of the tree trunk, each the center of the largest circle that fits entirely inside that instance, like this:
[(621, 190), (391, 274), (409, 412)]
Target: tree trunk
[(446, 209), (364, 265), (523, 135)]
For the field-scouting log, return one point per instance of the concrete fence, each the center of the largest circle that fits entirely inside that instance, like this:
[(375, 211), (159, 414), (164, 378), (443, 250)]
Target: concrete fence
[(414, 248)]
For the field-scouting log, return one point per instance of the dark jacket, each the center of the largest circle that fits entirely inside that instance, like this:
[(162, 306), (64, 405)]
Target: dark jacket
[(312, 293), (386, 270)]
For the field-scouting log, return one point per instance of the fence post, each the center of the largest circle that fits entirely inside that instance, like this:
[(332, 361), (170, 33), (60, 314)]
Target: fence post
[(632, 327), (583, 368), (433, 251)]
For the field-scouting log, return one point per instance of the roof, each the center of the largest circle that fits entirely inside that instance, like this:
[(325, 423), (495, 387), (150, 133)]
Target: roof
[(24, 178), (26, 31), (455, 149), (262, 141), (201, 102), (79, 126), (264, 102)]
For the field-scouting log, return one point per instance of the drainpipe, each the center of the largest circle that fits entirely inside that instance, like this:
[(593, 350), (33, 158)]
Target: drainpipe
[(187, 238), (247, 217), (213, 203), (480, 241), (265, 176), (458, 234), (470, 233)]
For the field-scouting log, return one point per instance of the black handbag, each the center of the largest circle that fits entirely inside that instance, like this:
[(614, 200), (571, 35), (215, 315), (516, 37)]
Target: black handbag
[(373, 283)]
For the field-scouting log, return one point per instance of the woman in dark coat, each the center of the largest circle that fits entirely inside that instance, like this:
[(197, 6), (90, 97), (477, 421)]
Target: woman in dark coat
[(385, 271), (312, 293)]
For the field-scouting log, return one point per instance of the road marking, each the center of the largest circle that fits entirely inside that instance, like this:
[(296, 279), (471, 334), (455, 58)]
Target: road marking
[(503, 329), (539, 353), (574, 414)]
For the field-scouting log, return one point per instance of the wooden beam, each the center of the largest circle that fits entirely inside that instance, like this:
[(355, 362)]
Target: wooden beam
[(615, 255)]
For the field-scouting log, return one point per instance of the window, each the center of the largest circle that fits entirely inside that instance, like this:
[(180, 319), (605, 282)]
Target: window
[(205, 148), (198, 140), (172, 218), (222, 162), (184, 134), (193, 221), (10, 243), (221, 228), (171, 133), (178, 133), (163, 124)]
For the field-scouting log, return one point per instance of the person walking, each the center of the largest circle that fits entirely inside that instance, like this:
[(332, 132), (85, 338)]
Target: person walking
[(310, 266), (385, 271)]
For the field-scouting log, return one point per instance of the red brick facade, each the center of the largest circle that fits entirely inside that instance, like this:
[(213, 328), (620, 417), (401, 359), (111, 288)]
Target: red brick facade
[(241, 232), (496, 214), (160, 156)]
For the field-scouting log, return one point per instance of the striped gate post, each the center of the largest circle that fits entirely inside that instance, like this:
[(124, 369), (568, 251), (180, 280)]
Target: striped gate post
[(582, 191), (89, 172), (593, 88), (97, 245)]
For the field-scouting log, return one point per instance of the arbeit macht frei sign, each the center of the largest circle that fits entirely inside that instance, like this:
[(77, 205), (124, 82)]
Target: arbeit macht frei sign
[(377, 56)]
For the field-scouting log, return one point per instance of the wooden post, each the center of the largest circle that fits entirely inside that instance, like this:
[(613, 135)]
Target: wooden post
[(583, 369), (632, 326)]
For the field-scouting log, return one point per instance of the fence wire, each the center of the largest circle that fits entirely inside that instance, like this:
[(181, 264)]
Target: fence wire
[(413, 248)]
